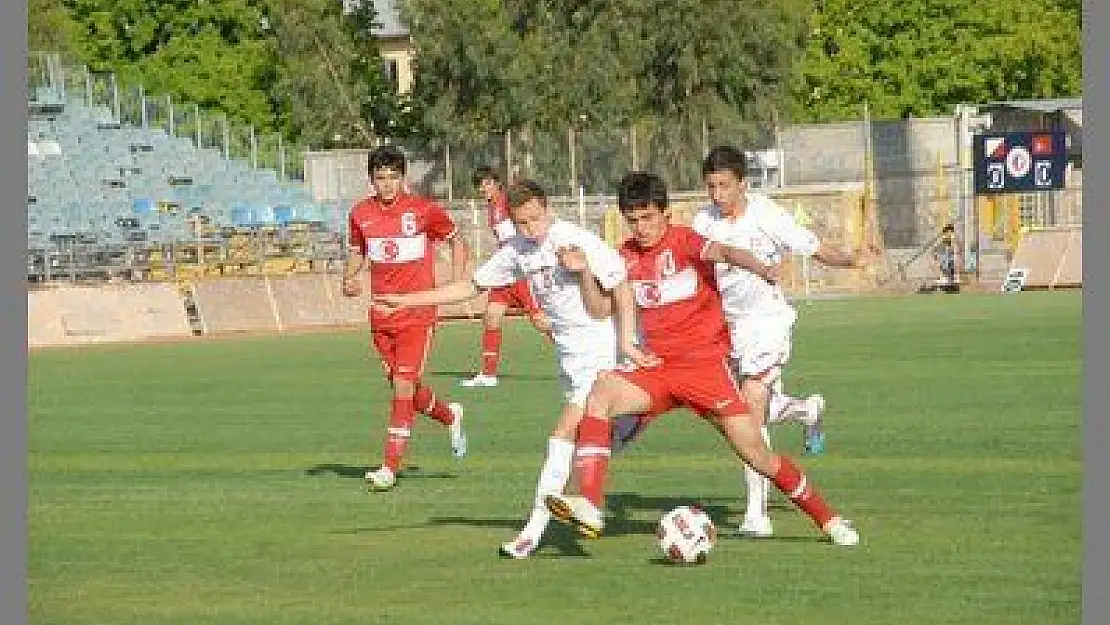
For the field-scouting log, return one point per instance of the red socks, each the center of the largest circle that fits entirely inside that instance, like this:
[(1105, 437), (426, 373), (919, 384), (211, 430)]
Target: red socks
[(491, 351), (400, 429), (592, 458), (791, 481), (426, 402)]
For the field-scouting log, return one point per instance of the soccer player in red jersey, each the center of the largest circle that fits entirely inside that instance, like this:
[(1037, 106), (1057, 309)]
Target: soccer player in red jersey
[(500, 299), (393, 234), (682, 360)]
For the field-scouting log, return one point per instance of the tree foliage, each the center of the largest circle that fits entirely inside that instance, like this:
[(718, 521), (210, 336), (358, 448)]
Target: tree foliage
[(596, 62), (676, 67), (921, 57), (306, 68)]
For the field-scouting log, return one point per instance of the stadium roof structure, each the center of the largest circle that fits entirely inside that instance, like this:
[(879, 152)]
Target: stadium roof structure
[(1063, 113), (1051, 105)]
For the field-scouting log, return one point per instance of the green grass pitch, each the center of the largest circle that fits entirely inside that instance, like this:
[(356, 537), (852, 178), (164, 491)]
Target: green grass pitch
[(218, 482)]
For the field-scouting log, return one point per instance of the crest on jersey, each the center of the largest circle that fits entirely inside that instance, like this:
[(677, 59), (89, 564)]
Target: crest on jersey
[(665, 265), (389, 249), (648, 293), (408, 224)]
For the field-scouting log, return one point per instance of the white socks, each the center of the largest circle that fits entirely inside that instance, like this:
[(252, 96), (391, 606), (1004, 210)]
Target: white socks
[(758, 487), (784, 407), (553, 479)]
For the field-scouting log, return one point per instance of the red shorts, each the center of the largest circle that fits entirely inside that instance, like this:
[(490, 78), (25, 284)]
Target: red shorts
[(517, 294), (707, 387), (403, 349)]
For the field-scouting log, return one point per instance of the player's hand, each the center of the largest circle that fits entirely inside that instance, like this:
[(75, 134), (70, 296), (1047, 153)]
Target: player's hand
[(572, 258), (351, 286), (541, 323), (771, 273), (389, 303), (639, 357)]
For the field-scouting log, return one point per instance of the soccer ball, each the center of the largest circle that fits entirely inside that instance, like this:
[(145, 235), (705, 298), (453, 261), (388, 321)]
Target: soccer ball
[(686, 534)]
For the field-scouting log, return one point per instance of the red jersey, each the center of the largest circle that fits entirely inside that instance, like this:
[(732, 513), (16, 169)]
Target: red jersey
[(680, 311), (396, 239), (497, 217)]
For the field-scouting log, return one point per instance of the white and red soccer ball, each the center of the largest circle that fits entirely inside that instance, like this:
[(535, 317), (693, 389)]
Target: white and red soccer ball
[(686, 535)]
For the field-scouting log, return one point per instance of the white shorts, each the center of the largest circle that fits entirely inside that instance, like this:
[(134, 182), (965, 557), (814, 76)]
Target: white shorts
[(760, 343), (577, 372)]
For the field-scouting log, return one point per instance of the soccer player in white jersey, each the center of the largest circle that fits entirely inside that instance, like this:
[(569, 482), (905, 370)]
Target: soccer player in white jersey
[(759, 316), (572, 272)]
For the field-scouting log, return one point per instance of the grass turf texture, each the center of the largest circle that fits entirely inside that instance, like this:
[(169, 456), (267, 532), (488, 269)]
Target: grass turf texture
[(220, 482)]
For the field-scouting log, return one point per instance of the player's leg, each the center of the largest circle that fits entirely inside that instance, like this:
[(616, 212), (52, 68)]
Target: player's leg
[(577, 374), (401, 414), (810, 411), (413, 348), (711, 391), (613, 393), (757, 352), (553, 478), (492, 319)]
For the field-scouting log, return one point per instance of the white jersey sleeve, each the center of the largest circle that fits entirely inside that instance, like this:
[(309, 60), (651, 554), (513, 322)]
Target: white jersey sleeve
[(502, 269), (702, 222), (504, 230), (605, 263), (792, 235)]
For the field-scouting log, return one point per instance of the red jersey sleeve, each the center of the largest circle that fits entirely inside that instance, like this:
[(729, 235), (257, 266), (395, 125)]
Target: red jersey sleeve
[(354, 229), (440, 226), (693, 245)]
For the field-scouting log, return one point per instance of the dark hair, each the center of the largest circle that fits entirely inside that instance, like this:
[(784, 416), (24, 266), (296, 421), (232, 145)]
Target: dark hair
[(725, 158), (485, 172), (386, 156), (948, 228), (525, 191), (638, 189)]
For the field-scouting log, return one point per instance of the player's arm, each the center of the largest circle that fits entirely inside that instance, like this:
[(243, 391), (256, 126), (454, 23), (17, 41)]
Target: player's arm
[(443, 229), (355, 260), (833, 257), (802, 240), (460, 258), (717, 252), (597, 301), (454, 292), (497, 271), (624, 311)]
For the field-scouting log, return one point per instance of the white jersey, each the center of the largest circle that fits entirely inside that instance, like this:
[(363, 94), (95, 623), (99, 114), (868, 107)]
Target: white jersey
[(504, 230), (556, 290), (769, 233)]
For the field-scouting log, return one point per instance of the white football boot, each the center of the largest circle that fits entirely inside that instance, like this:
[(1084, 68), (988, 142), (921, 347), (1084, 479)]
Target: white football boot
[(479, 380), (382, 479), (841, 532), (756, 527), (519, 549)]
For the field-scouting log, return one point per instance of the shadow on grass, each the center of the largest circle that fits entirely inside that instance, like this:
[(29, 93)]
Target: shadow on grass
[(558, 538), (351, 471)]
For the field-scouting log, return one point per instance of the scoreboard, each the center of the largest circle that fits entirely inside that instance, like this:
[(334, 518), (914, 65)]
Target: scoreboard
[(1020, 162)]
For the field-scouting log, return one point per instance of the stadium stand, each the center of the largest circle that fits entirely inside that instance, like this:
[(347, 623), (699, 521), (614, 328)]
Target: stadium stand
[(105, 199)]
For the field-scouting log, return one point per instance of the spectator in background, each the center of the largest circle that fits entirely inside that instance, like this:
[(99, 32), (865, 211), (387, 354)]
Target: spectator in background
[(945, 254)]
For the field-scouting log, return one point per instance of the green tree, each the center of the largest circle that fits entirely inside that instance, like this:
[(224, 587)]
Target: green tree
[(217, 54), (50, 28), (921, 57)]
